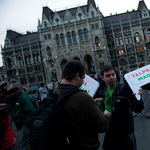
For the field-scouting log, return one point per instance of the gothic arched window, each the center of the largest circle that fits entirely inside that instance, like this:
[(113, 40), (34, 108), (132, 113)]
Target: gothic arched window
[(81, 35), (130, 38), (45, 24), (74, 37), (114, 63), (57, 40), (109, 43), (126, 39), (121, 41), (29, 56), (117, 41), (101, 65), (148, 34), (62, 39), (97, 42), (122, 62), (69, 38), (92, 14), (137, 37), (141, 58), (131, 60), (85, 35)]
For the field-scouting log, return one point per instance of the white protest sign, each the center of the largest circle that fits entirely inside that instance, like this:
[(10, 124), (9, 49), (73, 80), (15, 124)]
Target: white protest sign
[(138, 78), (90, 85)]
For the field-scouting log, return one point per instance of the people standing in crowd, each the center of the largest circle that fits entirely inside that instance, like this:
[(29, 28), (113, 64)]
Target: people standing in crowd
[(124, 72), (38, 93), (146, 95), (93, 76), (117, 76), (101, 82), (53, 84), (7, 137), (119, 100), (43, 92), (83, 118), (97, 92), (22, 113)]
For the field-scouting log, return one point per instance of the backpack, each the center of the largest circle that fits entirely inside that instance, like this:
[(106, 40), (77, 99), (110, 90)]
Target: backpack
[(47, 128)]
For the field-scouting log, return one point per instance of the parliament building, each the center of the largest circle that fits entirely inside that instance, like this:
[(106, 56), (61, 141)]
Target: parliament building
[(78, 33)]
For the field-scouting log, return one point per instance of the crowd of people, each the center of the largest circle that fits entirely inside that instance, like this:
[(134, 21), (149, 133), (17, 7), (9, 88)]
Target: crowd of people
[(109, 111)]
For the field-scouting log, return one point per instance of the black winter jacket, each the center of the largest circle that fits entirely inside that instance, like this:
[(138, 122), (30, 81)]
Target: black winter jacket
[(122, 119)]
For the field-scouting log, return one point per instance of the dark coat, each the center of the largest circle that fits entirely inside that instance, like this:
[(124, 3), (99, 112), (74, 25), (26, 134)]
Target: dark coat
[(84, 120)]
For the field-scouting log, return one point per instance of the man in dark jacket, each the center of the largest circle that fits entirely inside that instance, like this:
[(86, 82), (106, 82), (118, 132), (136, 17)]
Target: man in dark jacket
[(124, 72), (119, 100), (22, 113), (84, 120), (146, 95)]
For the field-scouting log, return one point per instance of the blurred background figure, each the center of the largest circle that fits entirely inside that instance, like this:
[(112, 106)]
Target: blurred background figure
[(43, 92), (101, 82), (7, 137), (124, 72), (146, 95)]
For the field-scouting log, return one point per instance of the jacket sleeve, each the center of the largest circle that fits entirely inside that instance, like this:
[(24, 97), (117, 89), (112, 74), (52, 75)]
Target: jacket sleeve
[(93, 117), (136, 105), (29, 110), (147, 86)]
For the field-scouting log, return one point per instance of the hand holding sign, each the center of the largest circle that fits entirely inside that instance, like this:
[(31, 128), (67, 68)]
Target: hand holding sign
[(90, 85), (138, 78)]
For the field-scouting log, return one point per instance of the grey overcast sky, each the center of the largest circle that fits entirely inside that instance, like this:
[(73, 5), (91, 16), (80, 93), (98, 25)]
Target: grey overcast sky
[(22, 15)]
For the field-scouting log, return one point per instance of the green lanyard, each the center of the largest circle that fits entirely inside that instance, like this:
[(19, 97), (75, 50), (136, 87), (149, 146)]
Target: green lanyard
[(108, 100)]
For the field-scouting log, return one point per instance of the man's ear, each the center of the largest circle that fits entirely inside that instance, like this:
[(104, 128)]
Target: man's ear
[(102, 78), (77, 76)]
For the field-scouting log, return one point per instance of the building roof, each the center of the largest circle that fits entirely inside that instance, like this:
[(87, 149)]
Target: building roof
[(124, 17), (50, 14), (12, 35), (17, 38), (27, 37)]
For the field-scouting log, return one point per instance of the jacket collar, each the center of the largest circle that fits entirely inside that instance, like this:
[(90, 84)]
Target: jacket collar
[(117, 89)]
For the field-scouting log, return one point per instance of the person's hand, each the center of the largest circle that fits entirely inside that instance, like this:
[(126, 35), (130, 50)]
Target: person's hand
[(106, 112), (140, 93), (98, 100), (14, 140), (3, 106)]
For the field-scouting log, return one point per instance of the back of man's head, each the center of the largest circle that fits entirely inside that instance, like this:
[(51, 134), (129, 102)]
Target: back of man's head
[(13, 85), (71, 68), (106, 69), (42, 84), (142, 64), (17, 85)]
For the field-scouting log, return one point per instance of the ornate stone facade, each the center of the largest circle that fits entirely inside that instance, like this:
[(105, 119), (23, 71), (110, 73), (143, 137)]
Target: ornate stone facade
[(79, 33), (68, 34)]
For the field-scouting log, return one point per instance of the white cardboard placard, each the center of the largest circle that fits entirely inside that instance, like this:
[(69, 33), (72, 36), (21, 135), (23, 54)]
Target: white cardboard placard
[(138, 78), (90, 85)]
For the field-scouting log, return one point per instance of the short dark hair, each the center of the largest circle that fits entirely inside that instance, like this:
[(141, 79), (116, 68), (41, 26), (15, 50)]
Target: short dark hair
[(42, 84), (71, 68), (106, 68), (142, 64)]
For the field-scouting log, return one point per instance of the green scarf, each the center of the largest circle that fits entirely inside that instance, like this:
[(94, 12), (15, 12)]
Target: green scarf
[(108, 100)]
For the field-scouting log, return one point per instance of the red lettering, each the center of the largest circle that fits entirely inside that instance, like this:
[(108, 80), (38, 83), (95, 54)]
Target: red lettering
[(140, 73), (133, 75), (84, 83), (136, 74), (143, 71), (147, 70)]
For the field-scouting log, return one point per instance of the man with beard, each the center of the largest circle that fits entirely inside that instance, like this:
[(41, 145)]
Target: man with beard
[(119, 100)]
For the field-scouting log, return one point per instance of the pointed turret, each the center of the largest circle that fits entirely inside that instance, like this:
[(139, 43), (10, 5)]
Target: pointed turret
[(144, 12), (91, 2)]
